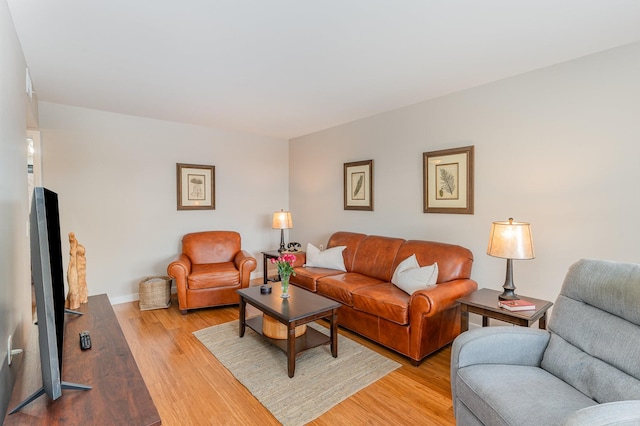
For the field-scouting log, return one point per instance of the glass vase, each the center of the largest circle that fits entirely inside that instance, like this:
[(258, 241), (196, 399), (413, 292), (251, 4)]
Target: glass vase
[(285, 286)]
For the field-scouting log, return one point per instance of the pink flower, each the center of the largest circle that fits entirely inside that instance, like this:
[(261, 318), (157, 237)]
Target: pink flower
[(285, 264)]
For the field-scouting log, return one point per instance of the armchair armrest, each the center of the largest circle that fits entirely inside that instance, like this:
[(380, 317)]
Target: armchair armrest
[(180, 267), (613, 413), (245, 263)]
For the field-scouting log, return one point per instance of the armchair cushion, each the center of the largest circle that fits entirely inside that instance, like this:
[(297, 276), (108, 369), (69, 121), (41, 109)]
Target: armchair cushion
[(213, 275)]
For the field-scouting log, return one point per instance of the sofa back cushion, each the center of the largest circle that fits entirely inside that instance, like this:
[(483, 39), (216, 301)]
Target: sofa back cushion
[(376, 255), (349, 239), (595, 328), (211, 246), (454, 262)]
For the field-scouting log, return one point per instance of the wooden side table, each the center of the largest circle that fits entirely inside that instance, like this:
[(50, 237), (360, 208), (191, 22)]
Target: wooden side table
[(273, 254), (485, 302)]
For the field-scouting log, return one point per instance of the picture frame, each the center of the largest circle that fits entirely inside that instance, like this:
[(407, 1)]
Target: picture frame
[(448, 181), (196, 186), (358, 185)]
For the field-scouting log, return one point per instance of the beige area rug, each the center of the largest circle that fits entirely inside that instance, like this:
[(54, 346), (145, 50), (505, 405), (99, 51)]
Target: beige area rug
[(319, 383)]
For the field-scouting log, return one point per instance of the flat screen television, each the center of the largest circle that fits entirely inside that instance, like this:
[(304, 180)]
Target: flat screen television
[(48, 281)]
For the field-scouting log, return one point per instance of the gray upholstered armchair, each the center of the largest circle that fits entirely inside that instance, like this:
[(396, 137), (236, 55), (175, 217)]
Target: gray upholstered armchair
[(585, 370)]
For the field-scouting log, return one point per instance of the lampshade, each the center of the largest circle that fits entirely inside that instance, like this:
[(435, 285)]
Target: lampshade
[(511, 240), (282, 220)]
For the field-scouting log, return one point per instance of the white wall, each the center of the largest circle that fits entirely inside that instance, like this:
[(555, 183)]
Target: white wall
[(15, 288), (116, 180), (558, 147)]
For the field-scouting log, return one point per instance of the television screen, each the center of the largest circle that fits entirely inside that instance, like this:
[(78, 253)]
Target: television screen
[(48, 281), (48, 284)]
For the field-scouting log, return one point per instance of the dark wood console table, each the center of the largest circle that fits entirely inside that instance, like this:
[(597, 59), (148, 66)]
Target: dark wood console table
[(118, 396)]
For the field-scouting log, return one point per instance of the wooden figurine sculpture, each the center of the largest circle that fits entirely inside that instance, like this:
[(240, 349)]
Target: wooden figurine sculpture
[(76, 274)]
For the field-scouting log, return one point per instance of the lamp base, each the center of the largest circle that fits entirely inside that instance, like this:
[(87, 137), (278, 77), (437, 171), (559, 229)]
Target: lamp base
[(509, 292), (281, 249)]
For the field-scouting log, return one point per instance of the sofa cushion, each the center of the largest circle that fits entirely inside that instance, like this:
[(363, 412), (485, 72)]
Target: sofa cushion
[(341, 287), (454, 262), (330, 258), (351, 240), (495, 394), (307, 278), (211, 275), (383, 300), (376, 255), (410, 277)]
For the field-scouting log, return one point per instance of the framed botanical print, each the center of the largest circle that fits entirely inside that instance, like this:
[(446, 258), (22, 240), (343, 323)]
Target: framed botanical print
[(448, 181), (358, 185), (196, 187)]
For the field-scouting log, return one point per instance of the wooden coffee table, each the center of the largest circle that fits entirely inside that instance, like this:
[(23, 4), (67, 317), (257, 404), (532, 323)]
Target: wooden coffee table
[(300, 308)]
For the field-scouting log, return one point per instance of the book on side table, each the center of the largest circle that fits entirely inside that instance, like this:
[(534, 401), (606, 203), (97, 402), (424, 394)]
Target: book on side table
[(517, 305)]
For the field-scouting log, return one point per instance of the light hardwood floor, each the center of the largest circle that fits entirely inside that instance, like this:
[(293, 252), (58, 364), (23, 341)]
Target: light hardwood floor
[(190, 387)]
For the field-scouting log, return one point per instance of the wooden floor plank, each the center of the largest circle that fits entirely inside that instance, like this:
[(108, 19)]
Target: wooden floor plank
[(190, 387)]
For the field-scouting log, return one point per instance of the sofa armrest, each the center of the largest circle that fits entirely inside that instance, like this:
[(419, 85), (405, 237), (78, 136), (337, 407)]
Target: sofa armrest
[(301, 258), (245, 263), (613, 413), (433, 300), (497, 345)]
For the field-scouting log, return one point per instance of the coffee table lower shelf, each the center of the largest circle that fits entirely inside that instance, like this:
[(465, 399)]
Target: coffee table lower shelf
[(311, 339)]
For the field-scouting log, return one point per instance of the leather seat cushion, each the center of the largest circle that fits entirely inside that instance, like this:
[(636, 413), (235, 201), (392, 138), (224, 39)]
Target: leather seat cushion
[(307, 277), (383, 300), (340, 287), (211, 275)]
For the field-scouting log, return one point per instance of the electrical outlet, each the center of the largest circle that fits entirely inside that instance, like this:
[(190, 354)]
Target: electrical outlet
[(9, 345), (10, 351)]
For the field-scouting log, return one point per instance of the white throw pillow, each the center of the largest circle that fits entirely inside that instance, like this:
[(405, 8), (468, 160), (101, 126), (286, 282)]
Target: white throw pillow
[(330, 258), (410, 277)]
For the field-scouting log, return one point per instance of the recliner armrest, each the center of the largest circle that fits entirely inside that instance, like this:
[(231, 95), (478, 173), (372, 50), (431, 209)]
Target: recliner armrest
[(613, 413), (497, 345)]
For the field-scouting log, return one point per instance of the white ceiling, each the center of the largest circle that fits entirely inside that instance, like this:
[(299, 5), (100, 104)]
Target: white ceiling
[(286, 68)]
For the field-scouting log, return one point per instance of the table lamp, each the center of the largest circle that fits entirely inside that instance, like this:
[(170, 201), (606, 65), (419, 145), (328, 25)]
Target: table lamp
[(282, 220), (510, 240)]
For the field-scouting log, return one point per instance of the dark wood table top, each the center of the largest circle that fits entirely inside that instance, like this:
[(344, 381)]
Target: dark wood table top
[(487, 299), (300, 304)]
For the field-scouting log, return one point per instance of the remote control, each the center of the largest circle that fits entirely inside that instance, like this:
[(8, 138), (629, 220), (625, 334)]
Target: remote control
[(85, 340)]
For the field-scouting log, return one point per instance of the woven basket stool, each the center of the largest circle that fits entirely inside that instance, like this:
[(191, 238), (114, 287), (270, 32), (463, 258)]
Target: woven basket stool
[(155, 293)]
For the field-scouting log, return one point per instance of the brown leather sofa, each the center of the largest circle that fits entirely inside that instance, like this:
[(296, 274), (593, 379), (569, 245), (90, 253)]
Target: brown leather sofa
[(210, 269), (413, 325)]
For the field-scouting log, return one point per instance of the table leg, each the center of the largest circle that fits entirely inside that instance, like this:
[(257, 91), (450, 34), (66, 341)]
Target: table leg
[(542, 322), (464, 319), (334, 333), (264, 269), (243, 305), (485, 321), (291, 349)]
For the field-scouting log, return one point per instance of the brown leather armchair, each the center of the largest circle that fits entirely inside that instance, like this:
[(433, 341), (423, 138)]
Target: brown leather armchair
[(210, 269)]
